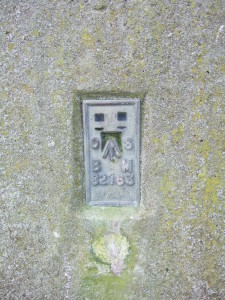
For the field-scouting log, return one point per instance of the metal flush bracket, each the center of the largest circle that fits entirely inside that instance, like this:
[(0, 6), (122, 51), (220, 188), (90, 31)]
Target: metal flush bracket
[(112, 151)]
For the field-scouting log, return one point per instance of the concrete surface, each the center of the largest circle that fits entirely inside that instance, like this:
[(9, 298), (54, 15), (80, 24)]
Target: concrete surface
[(52, 54)]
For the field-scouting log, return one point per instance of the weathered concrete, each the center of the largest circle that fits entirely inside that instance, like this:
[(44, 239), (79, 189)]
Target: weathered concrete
[(173, 54)]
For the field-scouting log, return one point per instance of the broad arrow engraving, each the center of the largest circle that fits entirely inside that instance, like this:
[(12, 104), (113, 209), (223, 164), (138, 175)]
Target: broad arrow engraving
[(111, 149)]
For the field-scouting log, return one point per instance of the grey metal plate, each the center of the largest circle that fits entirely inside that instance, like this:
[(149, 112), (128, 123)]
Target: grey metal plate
[(112, 151)]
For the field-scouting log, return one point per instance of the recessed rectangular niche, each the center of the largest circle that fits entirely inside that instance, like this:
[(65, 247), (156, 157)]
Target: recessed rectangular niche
[(112, 150), (99, 117), (121, 116)]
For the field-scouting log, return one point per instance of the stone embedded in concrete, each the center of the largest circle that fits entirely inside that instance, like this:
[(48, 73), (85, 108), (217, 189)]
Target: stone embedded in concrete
[(112, 249)]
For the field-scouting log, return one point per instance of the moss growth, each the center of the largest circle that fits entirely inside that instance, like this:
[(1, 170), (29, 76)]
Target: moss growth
[(109, 214), (87, 39), (97, 285), (114, 136), (11, 46), (35, 32), (101, 6), (111, 248)]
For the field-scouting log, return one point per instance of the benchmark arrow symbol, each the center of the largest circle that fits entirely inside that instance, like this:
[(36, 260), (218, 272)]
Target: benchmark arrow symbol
[(111, 149)]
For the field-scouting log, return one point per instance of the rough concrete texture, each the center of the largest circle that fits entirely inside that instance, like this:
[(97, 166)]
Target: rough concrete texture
[(173, 53)]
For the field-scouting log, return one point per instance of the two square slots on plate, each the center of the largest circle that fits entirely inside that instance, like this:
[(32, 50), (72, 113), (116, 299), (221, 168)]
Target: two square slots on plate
[(121, 116)]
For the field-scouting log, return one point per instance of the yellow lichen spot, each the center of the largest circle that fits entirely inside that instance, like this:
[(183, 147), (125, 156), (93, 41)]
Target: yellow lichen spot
[(67, 186), (194, 70), (178, 133), (200, 60), (201, 76), (49, 39), (87, 39), (158, 30), (203, 174), (24, 135), (168, 188), (5, 132), (222, 68), (35, 32), (193, 4), (100, 6), (196, 116), (63, 24), (177, 33), (210, 189), (83, 80), (201, 98), (60, 62), (204, 150), (11, 46), (3, 95), (155, 141), (160, 143), (131, 40), (221, 65)]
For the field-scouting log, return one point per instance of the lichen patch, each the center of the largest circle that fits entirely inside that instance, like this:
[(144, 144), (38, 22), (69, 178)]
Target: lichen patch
[(112, 249)]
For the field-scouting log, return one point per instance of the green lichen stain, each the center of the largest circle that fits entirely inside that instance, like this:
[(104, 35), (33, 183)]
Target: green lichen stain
[(178, 133), (3, 131), (200, 212), (210, 189), (160, 143), (201, 97), (101, 6), (11, 46), (35, 32), (113, 136), (112, 249), (203, 197), (98, 284), (221, 65), (87, 39)]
